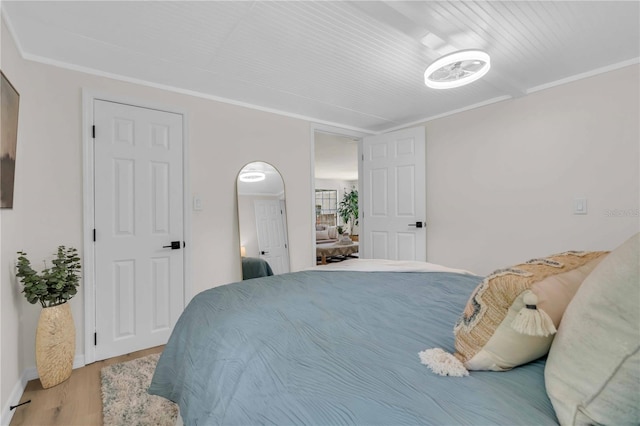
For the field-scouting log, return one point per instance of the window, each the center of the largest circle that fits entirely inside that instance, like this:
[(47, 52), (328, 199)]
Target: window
[(326, 207)]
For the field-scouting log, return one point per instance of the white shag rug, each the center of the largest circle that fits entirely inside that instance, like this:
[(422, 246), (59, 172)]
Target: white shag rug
[(125, 401)]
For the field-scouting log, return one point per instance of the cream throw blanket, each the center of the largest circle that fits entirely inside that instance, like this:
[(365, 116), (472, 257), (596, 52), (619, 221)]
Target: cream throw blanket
[(386, 265)]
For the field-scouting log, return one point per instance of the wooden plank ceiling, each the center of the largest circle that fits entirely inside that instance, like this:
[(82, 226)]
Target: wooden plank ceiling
[(355, 64)]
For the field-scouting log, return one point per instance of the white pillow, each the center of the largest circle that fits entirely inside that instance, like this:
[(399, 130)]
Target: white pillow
[(592, 374), (322, 235), (333, 232)]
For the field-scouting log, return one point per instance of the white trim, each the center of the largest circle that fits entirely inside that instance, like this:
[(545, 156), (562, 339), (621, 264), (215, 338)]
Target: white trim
[(339, 131), (27, 375), (88, 99), (14, 397), (354, 129), (60, 64), (446, 114), (89, 278), (14, 35), (187, 211), (567, 80), (169, 88), (312, 195), (99, 73), (587, 74)]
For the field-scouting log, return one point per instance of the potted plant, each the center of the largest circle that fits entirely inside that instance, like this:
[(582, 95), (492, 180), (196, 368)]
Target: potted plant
[(53, 287), (348, 209)]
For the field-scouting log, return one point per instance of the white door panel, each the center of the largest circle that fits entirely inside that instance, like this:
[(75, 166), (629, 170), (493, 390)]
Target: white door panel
[(394, 197), (138, 213), (272, 238)]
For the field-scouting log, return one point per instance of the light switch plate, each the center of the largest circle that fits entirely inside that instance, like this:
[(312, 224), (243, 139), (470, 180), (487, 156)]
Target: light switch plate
[(197, 203), (580, 206)]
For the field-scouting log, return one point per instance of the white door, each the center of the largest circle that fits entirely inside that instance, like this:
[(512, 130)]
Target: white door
[(393, 196), (139, 286), (272, 241)]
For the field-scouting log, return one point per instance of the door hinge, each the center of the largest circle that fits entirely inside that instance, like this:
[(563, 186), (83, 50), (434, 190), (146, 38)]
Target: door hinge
[(95, 339), (93, 131), (94, 235), (362, 154)]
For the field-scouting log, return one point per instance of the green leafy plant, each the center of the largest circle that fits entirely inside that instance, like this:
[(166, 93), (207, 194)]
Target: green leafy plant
[(52, 286), (348, 208)]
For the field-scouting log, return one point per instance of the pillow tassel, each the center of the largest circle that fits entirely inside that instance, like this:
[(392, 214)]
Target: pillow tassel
[(442, 363), (531, 320)]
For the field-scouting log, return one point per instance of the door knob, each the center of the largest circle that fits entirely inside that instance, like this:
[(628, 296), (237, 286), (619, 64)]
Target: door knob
[(264, 252), (417, 224), (175, 245)]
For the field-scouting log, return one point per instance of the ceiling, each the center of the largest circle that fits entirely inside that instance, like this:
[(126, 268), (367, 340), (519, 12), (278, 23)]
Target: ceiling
[(358, 65)]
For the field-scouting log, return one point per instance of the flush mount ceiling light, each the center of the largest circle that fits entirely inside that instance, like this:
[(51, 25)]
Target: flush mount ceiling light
[(457, 69), (252, 176)]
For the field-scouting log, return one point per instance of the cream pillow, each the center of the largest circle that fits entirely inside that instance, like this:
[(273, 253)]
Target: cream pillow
[(322, 235), (333, 232), (592, 372), (512, 315)]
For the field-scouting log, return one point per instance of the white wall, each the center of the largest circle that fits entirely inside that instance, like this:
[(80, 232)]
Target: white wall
[(10, 298), (501, 179), (48, 198)]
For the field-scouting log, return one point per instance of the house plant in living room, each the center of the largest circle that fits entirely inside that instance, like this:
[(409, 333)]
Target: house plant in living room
[(348, 209), (53, 287)]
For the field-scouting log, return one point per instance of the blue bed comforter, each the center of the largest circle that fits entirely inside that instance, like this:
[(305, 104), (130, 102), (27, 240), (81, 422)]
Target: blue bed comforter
[(329, 348), (254, 267)]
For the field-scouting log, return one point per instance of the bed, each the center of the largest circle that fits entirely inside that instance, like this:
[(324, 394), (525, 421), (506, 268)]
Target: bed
[(340, 344), (255, 267)]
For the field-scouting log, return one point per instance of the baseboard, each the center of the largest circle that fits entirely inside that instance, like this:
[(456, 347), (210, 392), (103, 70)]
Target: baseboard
[(28, 374), (14, 398)]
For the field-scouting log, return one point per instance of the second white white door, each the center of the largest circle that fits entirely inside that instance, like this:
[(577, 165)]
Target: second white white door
[(394, 197), (272, 237), (139, 276)]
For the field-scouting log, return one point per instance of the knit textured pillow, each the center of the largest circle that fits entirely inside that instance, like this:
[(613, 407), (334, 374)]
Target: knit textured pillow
[(512, 315)]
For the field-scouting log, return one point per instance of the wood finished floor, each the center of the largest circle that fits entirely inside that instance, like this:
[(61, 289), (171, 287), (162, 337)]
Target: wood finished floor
[(77, 401)]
